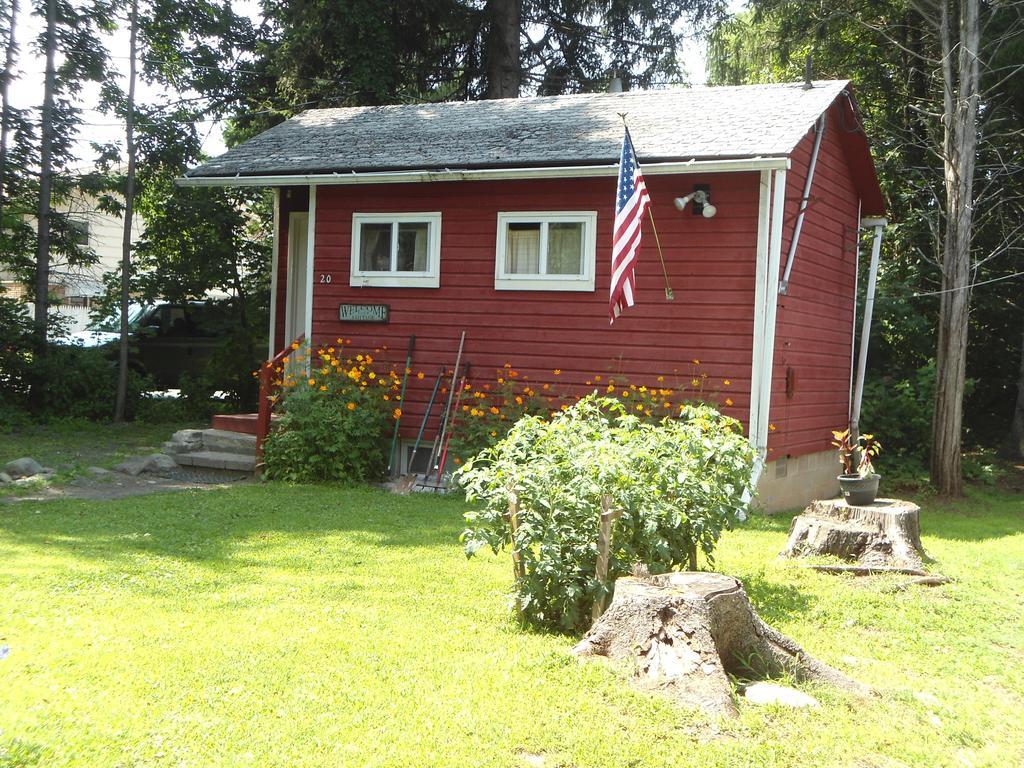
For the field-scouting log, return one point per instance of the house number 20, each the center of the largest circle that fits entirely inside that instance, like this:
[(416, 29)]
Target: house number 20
[(325, 278)]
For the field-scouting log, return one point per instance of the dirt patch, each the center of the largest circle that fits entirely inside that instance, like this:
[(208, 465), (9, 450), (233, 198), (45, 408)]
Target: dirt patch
[(116, 485)]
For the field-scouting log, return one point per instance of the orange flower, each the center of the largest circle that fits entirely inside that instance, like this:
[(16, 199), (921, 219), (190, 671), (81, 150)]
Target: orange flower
[(557, 371), (661, 378), (519, 400), (323, 388), (494, 410), (312, 382), (493, 433), (295, 345), (696, 361), (501, 380), (397, 413), (625, 393), (419, 375), (695, 382), (513, 374), (726, 382), (465, 407), (351, 406), (771, 427), (728, 401), (597, 378)]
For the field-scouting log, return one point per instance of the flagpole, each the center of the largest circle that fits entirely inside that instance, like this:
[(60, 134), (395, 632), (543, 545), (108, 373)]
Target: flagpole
[(669, 294)]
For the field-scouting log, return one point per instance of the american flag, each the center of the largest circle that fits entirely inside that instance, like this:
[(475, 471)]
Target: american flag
[(631, 202)]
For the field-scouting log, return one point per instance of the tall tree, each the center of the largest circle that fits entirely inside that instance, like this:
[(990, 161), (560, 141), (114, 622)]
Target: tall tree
[(504, 23), (42, 298), (129, 209), (10, 56)]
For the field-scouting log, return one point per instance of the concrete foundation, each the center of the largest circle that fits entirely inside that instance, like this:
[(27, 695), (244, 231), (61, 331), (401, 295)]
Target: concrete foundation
[(789, 484)]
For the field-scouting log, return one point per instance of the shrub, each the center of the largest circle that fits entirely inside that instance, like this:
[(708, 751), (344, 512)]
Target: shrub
[(335, 422), (81, 383), (678, 484)]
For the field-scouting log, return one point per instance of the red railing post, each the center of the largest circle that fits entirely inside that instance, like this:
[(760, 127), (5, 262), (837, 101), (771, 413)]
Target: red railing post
[(268, 389)]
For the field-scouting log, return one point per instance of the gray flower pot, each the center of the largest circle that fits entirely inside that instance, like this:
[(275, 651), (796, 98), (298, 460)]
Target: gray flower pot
[(859, 491)]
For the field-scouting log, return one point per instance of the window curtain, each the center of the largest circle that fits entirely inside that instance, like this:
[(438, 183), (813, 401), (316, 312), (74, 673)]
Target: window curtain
[(522, 250)]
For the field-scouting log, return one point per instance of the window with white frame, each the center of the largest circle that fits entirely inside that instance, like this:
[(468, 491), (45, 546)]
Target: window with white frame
[(396, 250), (546, 251)]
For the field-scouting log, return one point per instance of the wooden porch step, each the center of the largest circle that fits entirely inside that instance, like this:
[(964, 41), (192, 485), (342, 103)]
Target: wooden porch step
[(236, 422)]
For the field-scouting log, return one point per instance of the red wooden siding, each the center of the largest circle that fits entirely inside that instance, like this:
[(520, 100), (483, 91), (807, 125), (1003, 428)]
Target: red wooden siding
[(815, 320), (711, 264)]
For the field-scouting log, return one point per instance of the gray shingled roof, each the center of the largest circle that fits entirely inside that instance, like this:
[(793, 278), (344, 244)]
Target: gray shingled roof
[(580, 129)]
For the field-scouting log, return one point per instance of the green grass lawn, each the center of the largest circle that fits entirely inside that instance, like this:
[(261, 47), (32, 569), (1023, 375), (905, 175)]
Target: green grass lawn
[(295, 626)]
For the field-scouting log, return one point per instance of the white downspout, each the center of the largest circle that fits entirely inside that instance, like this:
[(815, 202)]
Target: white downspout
[(271, 341), (760, 280), (311, 250), (771, 307), (819, 131), (865, 332), (768, 289), (853, 325)]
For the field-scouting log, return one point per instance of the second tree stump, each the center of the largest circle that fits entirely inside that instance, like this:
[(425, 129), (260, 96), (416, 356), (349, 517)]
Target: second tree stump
[(884, 535)]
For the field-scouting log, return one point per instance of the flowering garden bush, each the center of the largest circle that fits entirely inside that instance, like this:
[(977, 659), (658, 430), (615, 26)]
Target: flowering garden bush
[(335, 420), (678, 482), (489, 409)]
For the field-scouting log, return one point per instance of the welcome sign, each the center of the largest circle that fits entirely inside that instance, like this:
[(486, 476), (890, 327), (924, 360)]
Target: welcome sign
[(364, 313)]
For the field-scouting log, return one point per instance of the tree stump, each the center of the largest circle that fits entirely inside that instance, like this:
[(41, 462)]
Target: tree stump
[(884, 534), (685, 632)]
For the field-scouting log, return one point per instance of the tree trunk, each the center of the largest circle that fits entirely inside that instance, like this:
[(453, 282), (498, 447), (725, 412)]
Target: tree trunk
[(45, 179), (960, 121), (502, 53), (129, 211), (684, 633), (5, 82), (1016, 442), (886, 534)]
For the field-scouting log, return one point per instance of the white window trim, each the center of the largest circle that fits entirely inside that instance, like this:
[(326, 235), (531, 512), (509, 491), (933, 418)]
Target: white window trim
[(430, 278), (504, 281)]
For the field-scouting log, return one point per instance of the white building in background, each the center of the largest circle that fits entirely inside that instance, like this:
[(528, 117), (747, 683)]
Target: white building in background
[(75, 289)]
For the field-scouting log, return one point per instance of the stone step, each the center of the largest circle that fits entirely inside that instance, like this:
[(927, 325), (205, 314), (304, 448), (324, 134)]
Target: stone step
[(229, 442), (217, 460)]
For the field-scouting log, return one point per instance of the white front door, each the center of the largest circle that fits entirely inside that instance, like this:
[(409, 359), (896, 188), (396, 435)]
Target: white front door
[(298, 253)]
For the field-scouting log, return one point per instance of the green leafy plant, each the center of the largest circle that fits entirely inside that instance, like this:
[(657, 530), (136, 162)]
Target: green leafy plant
[(678, 484), (336, 419)]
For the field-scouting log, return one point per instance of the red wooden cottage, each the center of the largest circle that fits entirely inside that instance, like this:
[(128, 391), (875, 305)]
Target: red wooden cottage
[(495, 217)]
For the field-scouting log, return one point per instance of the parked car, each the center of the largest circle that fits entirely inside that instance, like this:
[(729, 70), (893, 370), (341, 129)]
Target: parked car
[(166, 339)]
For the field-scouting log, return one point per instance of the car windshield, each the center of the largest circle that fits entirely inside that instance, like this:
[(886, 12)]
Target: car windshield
[(112, 324)]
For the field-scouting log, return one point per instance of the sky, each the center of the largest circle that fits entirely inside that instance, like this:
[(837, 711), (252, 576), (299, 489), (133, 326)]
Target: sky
[(26, 91)]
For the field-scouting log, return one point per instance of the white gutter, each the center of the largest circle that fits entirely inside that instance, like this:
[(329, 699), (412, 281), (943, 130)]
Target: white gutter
[(865, 332), (483, 174), (819, 130), (767, 289), (760, 281)]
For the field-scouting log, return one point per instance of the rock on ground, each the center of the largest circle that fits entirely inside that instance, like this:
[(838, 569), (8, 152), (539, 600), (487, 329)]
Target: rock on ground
[(5, 478), (23, 467), (769, 693)]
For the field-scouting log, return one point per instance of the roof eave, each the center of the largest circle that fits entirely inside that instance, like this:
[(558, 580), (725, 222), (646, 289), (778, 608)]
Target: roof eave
[(728, 165)]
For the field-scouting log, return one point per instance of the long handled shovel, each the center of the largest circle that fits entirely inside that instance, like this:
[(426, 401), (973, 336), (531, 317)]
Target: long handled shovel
[(445, 415), (448, 436), (426, 418), (401, 401)]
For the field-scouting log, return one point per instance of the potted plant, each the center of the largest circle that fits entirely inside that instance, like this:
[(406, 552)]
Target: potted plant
[(859, 481)]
